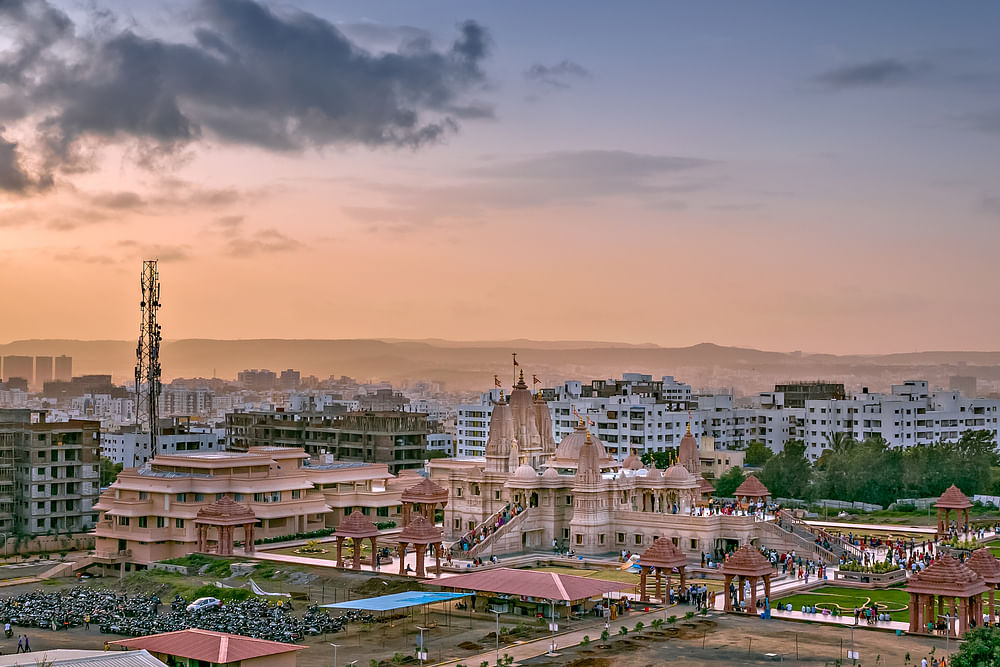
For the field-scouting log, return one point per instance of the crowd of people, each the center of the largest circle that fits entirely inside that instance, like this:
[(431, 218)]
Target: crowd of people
[(477, 535)]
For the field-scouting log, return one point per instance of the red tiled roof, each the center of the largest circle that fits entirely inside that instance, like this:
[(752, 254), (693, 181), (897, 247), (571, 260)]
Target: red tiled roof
[(356, 525), (217, 647), (420, 531), (985, 564), (543, 585), (705, 486), (751, 488), (953, 499), (224, 512), (946, 576), (424, 492), (663, 553), (748, 562)]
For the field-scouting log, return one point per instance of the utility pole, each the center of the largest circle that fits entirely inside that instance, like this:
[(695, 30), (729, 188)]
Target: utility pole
[(147, 359)]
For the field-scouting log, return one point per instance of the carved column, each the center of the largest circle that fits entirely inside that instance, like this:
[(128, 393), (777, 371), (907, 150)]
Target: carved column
[(914, 613), (727, 580), (357, 553), (402, 557), (421, 550), (340, 551)]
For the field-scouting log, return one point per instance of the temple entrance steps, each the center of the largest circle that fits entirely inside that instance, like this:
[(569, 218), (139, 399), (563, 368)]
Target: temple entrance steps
[(782, 538), (493, 540)]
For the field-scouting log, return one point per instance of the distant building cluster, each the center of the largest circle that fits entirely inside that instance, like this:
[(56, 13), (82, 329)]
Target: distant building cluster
[(639, 414)]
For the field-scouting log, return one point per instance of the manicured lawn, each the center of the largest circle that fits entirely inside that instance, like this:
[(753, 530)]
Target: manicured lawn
[(994, 548), (844, 600), (331, 552)]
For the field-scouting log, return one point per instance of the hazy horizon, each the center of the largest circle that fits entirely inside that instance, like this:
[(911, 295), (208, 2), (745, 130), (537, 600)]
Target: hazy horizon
[(789, 176)]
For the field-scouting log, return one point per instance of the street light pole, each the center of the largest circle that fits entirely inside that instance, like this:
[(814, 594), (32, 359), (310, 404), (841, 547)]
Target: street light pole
[(498, 636), (421, 653), (335, 646)]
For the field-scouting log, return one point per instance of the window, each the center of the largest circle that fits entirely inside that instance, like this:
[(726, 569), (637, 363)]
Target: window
[(178, 523), (579, 538), (199, 497), (458, 523), (384, 511), (238, 497), (458, 492), (694, 544), (161, 522), (182, 497), (600, 538), (258, 497), (296, 494), (143, 495), (569, 500), (638, 539), (276, 496), (142, 522), (218, 496), (496, 494), (621, 538)]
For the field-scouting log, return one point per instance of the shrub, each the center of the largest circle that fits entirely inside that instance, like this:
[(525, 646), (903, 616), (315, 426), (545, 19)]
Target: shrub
[(657, 623), (689, 614), (385, 525), (672, 620), (639, 626), (322, 532), (605, 635), (623, 631), (224, 594), (585, 641)]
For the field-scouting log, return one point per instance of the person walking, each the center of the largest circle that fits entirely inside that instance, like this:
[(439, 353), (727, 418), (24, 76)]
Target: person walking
[(20, 645), (86, 622), (27, 646)]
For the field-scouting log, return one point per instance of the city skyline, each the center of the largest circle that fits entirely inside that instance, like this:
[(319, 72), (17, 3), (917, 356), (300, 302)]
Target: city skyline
[(808, 177)]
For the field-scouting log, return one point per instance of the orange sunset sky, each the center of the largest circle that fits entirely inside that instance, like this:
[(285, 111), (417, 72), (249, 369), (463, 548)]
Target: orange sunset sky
[(669, 173)]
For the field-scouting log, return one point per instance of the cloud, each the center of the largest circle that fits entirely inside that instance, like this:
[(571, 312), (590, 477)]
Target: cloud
[(265, 241), (557, 76), (166, 195), (566, 178), (879, 73), (246, 74), (13, 177), (986, 121)]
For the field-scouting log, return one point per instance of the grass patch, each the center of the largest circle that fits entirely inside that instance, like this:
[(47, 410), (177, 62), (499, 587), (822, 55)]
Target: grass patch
[(844, 600), (218, 567)]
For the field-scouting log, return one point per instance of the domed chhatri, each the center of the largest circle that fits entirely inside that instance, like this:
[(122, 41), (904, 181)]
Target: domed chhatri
[(946, 579), (751, 490), (357, 528), (421, 533), (664, 556), (632, 462), (952, 499), (746, 564), (986, 565), (225, 514)]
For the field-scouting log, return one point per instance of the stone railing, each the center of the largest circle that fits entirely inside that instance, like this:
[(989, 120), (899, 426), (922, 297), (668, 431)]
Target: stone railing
[(870, 579), (484, 546)]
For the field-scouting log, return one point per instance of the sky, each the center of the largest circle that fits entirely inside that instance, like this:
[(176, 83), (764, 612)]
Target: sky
[(781, 175)]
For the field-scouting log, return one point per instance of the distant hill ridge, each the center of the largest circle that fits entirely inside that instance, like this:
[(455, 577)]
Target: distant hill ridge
[(472, 364)]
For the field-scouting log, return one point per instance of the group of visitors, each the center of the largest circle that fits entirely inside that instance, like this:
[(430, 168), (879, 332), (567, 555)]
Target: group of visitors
[(477, 535), (695, 594)]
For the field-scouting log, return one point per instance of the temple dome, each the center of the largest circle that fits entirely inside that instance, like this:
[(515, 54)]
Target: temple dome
[(550, 473), (632, 462), (571, 444), (687, 452), (677, 476), (525, 472)]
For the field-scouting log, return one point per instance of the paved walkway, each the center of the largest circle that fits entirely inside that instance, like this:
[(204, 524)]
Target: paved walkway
[(536, 647)]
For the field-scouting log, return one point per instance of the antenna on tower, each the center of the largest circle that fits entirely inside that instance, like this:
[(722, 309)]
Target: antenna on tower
[(147, 358)]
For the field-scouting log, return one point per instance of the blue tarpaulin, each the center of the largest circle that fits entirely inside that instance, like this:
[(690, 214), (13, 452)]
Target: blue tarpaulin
[(397, 601)]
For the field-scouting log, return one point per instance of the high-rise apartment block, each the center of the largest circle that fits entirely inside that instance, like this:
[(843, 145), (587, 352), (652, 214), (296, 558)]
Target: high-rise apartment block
[(43, 371), (63, 368), (15, 366)]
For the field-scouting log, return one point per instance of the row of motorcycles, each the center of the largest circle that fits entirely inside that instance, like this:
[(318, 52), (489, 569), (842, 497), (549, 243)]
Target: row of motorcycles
[(137, 615)]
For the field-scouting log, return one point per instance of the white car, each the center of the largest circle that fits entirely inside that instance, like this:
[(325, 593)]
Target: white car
[(204, 603)]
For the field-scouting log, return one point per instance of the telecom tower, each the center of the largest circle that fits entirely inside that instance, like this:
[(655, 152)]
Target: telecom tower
[(147, 358)]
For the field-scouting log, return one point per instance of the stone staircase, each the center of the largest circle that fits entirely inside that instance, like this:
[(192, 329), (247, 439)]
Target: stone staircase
[(791, 537), (496, 536), (838, 546)]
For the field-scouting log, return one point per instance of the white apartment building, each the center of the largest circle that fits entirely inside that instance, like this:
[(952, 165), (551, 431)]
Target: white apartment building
[(635, 414), (909, 415), (132, 449), (441, 442)]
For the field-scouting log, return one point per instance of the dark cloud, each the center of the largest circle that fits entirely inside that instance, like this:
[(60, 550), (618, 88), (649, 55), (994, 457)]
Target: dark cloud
[(560, 75), (873, 74), (13, 176), (381, 37), (248, 74), (987, 121)]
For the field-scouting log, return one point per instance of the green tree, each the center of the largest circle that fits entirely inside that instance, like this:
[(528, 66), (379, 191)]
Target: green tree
[(757, 454), (109, 471), (788, 474), (729, 482), (981, 647), (663, 460)]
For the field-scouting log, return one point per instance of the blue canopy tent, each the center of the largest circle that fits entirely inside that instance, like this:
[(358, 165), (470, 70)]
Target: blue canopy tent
[(397, 600)]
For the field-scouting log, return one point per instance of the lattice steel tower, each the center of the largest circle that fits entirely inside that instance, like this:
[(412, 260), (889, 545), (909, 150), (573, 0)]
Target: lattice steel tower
[(147, 358)]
